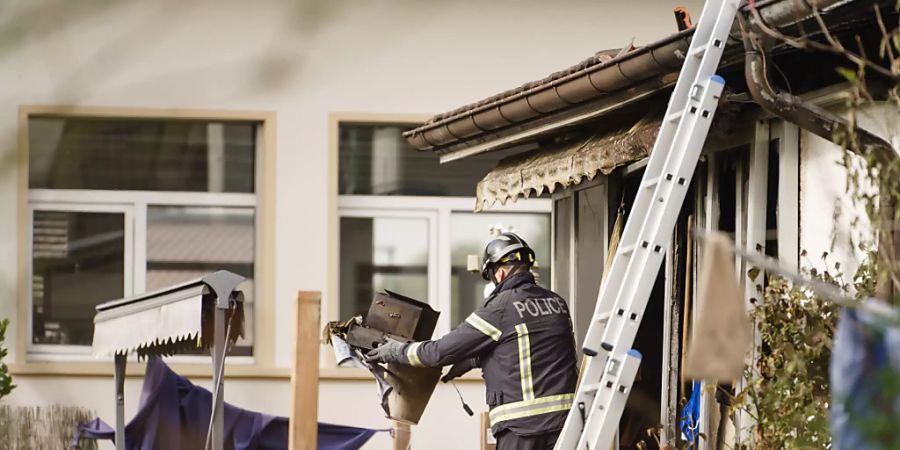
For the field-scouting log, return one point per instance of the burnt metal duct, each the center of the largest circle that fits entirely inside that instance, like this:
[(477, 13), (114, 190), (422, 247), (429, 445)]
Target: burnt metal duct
[(805, 115)]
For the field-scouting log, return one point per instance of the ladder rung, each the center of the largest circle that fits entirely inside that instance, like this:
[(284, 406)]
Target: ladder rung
[(652, 182), (602, 318), (627, 250), (594, 387), (675, 116), (699, 51)]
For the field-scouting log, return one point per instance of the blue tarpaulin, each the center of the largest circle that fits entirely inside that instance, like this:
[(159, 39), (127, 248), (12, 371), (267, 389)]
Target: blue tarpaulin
[(864, 361), (690, 416), (173, 413)]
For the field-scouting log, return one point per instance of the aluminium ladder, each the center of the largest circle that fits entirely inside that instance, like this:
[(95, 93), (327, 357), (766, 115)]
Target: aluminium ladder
[(594, 417)]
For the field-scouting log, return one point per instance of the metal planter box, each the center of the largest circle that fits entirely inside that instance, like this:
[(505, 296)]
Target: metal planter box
[(396, 316)]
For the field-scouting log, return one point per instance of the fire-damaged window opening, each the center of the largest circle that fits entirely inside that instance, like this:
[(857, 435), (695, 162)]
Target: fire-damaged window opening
[(731, 177), (723, 202), (715, 198), (642, 412), (584, 220), (718, 199), (772, 200), (678, 266)]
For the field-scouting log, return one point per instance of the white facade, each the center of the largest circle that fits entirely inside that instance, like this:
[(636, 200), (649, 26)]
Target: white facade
[(830, 220), (301, 61)]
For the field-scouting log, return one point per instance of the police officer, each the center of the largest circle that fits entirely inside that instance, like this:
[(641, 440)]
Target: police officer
[(522, 340)]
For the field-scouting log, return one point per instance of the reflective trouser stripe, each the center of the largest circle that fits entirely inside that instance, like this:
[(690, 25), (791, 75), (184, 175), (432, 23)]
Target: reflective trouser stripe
[(529, 408), (412, 354), (484, 326), (525, 362)]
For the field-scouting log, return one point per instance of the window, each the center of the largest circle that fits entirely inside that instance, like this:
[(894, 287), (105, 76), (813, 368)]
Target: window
[(406, 223), (376, 160), (468, 236), (381, 252), (122, 206), (78, 256)]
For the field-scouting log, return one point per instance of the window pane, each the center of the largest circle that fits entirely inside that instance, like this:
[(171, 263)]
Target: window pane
[(184, 243), (77, 263), (377, 160), (150, 155), (382, 253), (470, 232)]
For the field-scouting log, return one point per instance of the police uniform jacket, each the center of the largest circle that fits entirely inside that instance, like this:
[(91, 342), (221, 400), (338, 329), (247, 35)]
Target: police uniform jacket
[(522, 339)]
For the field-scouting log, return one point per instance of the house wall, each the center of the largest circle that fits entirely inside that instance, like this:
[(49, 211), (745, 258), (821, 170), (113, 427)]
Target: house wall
[(301, 60), (830, 220)]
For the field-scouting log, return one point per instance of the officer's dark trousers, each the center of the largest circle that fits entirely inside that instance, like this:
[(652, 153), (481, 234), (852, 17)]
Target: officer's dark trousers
[(507, 440)]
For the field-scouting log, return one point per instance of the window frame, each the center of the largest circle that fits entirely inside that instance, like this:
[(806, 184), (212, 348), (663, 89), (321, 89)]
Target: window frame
[(431, 218), (706, 213), (53, 352), (759, 138), (29, 359), (442, 207), (439, 210)]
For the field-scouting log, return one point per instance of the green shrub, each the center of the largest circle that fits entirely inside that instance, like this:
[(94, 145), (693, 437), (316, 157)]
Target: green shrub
[(6, 385)]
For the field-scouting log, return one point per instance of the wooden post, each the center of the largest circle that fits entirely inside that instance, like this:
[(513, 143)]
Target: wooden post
[(402, 435), (305, 374), (487, 439), (120, 361)]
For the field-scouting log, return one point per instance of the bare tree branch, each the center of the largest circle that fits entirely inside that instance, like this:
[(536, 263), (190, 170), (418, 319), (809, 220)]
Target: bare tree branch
[(835, 48)]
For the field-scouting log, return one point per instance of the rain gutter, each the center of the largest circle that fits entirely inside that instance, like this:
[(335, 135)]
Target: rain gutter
[(577, 87), (521, 133), (523, 115)]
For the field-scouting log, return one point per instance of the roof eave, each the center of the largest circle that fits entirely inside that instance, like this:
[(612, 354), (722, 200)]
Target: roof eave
[(566, 92), (548, 106), (529, 131)]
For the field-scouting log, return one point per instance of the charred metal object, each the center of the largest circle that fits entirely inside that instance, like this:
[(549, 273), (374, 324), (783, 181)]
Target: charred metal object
[(395, 316)]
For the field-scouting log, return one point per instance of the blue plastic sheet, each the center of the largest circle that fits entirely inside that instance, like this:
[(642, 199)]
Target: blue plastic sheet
[(173, 413), (690, 415)]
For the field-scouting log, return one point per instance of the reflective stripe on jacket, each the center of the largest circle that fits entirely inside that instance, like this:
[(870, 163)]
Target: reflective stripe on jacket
[(523, 340)]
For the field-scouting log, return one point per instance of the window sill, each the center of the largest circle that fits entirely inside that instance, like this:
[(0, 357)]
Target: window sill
[(195, 371)]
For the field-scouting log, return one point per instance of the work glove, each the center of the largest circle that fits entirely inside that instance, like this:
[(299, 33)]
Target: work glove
[(390, 351), (459, 369)]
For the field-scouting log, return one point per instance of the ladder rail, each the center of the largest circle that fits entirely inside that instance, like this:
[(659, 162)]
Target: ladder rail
[(624, 294), (655, 168), (677, 103), (625, 321), (655, 228)]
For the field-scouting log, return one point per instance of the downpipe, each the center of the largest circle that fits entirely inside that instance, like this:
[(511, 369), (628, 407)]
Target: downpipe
[(812, 118), (826, 125)]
